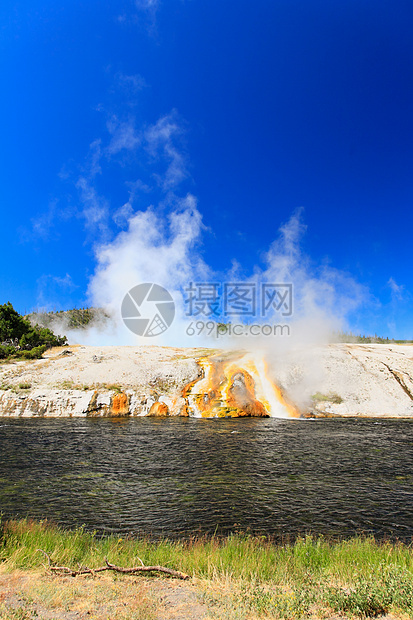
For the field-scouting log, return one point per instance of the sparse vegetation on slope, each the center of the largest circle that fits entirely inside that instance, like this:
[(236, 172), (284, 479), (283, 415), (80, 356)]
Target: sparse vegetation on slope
[(331, 398), (349, 337), (76, 318)]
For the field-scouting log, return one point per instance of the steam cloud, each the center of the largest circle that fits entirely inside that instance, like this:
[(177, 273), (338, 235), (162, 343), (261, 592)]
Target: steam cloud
[(166, 252), (151, 250), (162, 245)]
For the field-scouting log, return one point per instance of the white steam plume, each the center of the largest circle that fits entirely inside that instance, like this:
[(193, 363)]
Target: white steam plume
[(322, 299), (164, 250), (153, 249), (161, 245)]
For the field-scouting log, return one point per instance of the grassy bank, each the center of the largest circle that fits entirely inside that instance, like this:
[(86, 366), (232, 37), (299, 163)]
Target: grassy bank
[(237, 577)]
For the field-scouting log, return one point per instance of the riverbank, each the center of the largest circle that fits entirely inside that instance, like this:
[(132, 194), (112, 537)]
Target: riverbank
[(239, 577), (356, 380)]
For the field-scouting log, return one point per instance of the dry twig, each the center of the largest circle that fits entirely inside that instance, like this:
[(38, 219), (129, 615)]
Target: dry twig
[(84, 570)]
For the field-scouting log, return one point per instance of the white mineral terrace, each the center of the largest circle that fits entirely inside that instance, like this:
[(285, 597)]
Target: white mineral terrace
[(341, 379)]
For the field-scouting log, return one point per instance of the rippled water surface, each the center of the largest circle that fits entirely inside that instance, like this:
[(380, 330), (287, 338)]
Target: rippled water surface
[(176, 476)]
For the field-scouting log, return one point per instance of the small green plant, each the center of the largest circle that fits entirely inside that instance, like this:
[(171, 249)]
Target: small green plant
[(66, 385), (114, 387), (25, 386), (70, 385), (332, 397)]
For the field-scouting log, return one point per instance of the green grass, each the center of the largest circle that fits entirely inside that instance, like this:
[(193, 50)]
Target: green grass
[(113, 387), (359, 577), (9, 613), (331, 398), (70, 385), (16, 388), (25, 386)]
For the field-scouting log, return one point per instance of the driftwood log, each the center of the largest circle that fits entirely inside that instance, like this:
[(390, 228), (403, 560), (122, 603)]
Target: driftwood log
[(84, 570)]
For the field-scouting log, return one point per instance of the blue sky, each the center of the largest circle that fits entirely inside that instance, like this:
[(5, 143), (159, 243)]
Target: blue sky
[(254, 109)]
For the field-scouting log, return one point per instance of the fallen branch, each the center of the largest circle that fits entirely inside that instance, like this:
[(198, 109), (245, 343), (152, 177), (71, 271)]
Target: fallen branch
[(84, 570), (147, 569)]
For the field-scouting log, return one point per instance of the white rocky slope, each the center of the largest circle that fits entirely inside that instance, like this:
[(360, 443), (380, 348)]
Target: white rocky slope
[(81, 381), (354, 380), (371, 379)]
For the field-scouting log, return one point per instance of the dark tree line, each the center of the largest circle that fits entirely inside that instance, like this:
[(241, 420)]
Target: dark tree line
[(20, 339)]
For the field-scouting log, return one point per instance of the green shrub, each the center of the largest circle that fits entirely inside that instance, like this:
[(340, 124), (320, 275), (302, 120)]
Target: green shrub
[(33, 354), (6, 351), (391, 588), (41, 335), (22, 340), (331, 398)]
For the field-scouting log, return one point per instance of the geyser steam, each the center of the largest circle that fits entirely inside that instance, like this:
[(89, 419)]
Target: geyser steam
[(164, 251), (161, 245)]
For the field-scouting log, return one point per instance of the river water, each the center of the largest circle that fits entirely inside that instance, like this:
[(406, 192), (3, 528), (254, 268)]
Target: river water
[(174, 477)]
